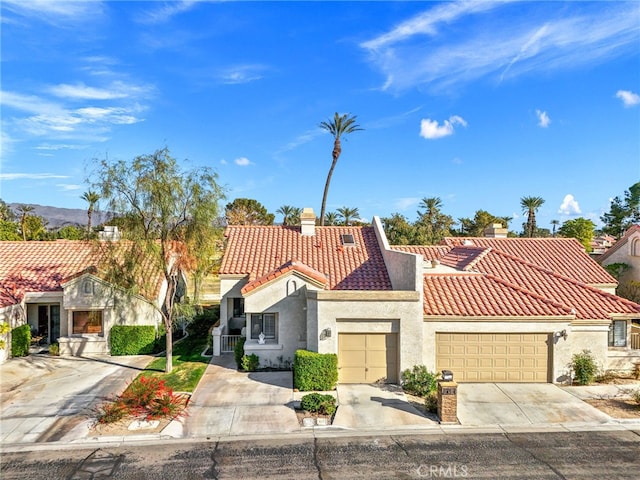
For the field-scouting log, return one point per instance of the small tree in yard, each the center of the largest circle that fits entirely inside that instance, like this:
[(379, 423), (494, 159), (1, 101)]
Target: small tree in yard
[(164, 211)]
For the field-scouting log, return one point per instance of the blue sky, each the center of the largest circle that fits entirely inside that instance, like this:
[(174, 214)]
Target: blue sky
[(479, 103)]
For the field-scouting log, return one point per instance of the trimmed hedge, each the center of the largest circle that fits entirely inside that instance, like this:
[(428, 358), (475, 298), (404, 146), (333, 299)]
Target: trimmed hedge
[(315, 371), (319, 403), (20, 340), (238, 352), (132, 339)]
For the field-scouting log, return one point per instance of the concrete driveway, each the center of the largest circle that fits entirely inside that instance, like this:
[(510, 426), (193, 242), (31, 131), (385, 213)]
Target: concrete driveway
[(523, 404), (45, 397)]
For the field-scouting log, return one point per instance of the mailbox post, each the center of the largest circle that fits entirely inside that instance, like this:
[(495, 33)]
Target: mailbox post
[(447, 399)]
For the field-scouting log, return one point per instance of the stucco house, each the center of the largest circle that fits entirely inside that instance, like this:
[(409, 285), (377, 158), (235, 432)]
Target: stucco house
[(56, 288), (626, 250), (489, 309)]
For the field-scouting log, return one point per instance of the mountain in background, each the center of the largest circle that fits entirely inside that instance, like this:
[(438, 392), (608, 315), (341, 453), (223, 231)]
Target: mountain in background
[(59, 217)]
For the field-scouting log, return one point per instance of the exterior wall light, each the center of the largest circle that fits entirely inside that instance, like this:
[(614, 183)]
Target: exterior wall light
[(447, 376)]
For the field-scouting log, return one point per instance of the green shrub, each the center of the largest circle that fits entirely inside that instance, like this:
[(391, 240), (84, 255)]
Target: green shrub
[(431, 402), (319, 403), (54, 349), (584, 367), (20, 340), (315, 371), (133, 339), (238, 352), (419, 381), (250, 363), (203, 322)]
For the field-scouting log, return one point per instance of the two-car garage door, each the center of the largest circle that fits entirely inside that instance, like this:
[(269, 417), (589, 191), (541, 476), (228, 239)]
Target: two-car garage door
[(494, 357)]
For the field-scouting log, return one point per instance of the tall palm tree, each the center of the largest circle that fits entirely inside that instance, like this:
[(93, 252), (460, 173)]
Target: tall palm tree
[(331, 218), (348, 215), (530, 206), (338, 126), (555, 223), (24, 210), (91, 198)]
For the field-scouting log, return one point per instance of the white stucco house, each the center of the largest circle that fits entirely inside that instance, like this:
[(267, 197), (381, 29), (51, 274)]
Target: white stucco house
[(56, 288), (489, 309)]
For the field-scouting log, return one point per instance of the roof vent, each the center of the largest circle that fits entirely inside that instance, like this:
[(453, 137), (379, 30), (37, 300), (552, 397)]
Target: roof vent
[(347, 240)]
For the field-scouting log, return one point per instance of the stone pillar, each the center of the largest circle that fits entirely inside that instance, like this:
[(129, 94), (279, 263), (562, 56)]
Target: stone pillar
[(447, 402)]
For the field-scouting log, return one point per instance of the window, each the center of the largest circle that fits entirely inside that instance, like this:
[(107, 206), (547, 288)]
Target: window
[(347, 240), (618, 333), (87, 287), (238, 307), (265, 323), (87, 322)]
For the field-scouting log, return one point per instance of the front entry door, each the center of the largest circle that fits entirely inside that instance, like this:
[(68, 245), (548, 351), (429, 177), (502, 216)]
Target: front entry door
[(43, 320), (55, 323)]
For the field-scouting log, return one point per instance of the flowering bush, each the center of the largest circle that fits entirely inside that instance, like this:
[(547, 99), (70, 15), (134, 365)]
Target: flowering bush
[(146, 397)]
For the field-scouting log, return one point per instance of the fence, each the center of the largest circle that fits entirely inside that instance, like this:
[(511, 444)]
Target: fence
[(228, 342)]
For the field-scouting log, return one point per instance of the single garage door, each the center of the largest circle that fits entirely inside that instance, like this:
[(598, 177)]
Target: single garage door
[(367, 357), (494, 357)]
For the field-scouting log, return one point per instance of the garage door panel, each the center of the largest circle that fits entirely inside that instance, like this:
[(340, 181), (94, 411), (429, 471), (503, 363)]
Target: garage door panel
[(367, 357), (494, 357)]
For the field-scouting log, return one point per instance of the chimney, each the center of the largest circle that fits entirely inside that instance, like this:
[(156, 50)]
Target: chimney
[(308, 222), (495, 231)]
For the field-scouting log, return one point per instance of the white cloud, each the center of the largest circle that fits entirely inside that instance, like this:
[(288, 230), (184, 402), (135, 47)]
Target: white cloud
[(569, 206), (115, 90), (55, 11), (430, 129), (242, 161), (543, 119), (629, 99), (60, 146), (241, 74), (30, 176), (223, 162), (500, 41), (68, 187), (405, 203), (166, 11)]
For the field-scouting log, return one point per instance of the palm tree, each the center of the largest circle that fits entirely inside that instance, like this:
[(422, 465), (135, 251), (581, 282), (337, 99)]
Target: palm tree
[(24, 210), (530, 206), (555, 223), (91, 198), (348, 215), (340, 125), (331, 218), (290, 215)]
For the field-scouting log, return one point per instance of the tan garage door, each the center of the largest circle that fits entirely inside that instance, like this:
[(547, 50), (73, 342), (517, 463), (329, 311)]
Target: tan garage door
[(367, 357), (494, 357)]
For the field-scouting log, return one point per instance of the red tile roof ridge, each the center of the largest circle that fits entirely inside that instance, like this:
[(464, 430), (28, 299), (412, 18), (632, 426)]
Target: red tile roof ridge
[(621, 241), (291, 265), (482, 252)]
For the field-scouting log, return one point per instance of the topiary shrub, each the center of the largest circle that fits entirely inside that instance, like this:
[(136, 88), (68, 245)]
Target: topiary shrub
[(319, 403), (315, 371), (431, 402), (238, 352), (132, 339), (419, 381), (584, 367), (20, 340)]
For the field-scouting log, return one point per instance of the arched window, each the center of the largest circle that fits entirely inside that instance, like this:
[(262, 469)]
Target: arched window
[(292, 288), (635, 247)]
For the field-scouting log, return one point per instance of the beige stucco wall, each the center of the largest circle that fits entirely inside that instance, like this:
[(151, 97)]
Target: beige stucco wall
[(118, 308), (623, 255), (14, 316), (364, 312), (230, 286), (286, 297)]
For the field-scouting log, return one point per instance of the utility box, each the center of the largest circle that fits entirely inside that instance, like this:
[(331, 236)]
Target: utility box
[(448, 402)]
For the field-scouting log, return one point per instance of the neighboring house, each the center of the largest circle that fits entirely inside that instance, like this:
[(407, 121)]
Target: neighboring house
[(490, 309), (601, 244), (56, 288), (626, 250)]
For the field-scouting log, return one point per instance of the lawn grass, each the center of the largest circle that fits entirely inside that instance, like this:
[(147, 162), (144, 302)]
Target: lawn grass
[(188, 365)]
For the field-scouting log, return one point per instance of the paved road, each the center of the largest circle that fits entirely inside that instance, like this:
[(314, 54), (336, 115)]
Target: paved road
[(567, 455)]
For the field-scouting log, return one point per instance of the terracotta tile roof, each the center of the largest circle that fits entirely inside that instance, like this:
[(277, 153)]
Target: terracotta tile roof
[(477, 295), (291, 266), (588, 302), (429, 252), (257, 251), (35, 267), (40, 266), (620, 243), (565, 256)]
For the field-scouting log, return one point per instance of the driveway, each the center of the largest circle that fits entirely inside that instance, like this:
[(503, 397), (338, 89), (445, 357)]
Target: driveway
[(44, 397), (523, 404)]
